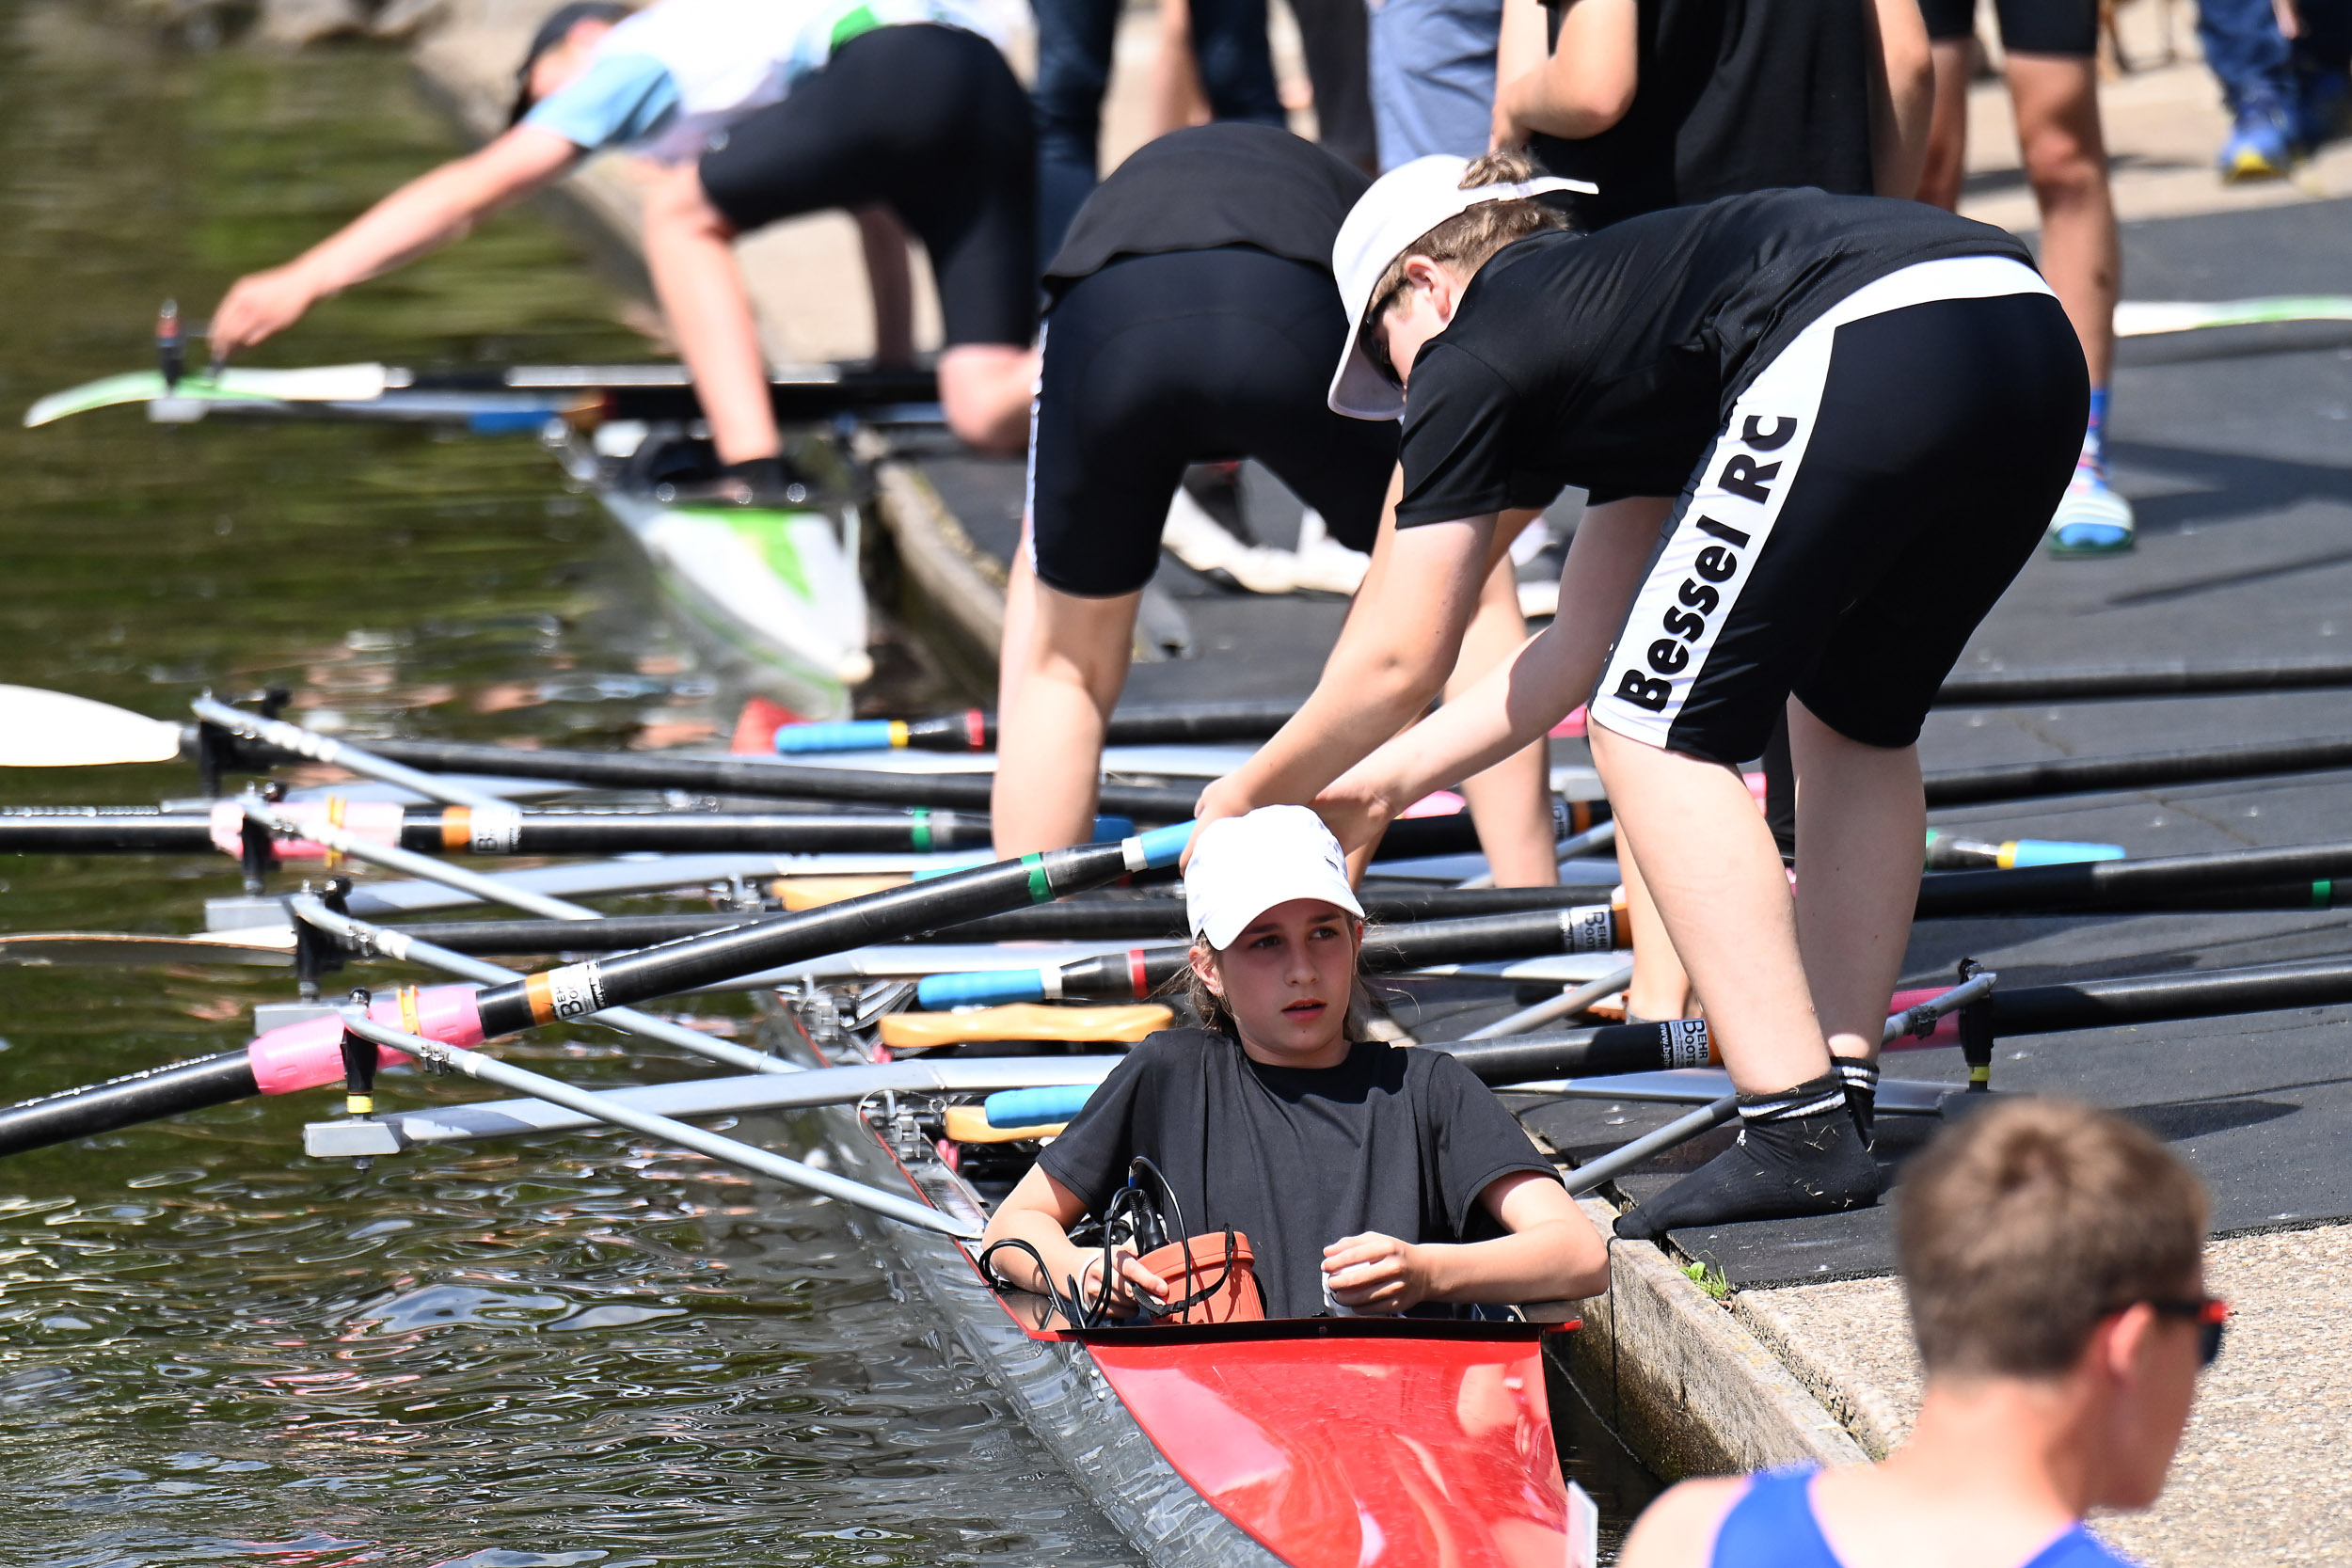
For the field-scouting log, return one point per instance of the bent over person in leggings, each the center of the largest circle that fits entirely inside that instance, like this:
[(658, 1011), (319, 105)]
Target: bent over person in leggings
[(1872, 406), (1194, 317)]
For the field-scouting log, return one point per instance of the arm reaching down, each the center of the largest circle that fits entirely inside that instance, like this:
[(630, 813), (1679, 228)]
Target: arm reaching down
[(1902, 95), (425, 213)]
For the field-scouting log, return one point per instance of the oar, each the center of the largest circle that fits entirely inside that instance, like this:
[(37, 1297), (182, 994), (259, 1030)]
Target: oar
[(336, 753), (2140, 318), (466, 831), (575, 989), (1137, 919), (2301, 876), (1135, 974), (975, 729), (2024, 780), (516, 398), (375, 940), (490, 1070), (1950, 852), (2155, 678)]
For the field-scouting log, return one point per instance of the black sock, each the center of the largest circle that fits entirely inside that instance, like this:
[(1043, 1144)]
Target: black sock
[(1798, 1154), (1860, 1079), (761, 476)]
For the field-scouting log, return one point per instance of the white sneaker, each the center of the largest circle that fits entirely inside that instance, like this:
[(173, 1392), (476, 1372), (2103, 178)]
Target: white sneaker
[(2091, 519)]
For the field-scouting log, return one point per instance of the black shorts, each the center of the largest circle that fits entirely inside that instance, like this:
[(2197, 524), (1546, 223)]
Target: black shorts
[(1195, 356), (929, 121), (2027, 26), (1873, 492)]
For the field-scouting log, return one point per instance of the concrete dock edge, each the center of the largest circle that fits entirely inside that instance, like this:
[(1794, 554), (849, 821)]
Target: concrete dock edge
[(1687, 1386)]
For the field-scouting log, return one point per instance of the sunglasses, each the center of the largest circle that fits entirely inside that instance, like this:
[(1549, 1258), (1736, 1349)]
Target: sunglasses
[(2209, 1313)]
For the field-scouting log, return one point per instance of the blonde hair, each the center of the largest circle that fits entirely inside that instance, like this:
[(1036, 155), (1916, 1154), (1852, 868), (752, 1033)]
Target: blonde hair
[(1469, 239), (2019, 1229)]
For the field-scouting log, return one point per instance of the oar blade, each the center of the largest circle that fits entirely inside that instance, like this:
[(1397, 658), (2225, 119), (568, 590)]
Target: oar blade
[(308, 384), (56, 729), (268, 949)]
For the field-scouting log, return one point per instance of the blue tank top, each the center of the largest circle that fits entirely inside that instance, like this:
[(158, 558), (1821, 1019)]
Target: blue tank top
[(1772, 1526)]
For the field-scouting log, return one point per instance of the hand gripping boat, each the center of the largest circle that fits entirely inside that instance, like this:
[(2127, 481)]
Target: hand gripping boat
[(1317, 1443)]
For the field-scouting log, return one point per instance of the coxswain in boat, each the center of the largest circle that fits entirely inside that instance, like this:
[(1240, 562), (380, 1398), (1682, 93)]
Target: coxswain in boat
[(2052, 1257), (1868, 407), (1193, 317), (748, 112), (1367, 1177)]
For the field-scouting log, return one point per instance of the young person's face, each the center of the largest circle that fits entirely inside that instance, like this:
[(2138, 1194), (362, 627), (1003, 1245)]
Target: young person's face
[(563, 65), (1424, 310), (1287, 978)]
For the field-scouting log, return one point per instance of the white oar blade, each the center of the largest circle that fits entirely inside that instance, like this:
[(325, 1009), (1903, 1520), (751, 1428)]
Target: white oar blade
[(311, 384), (53, 729), (267, 947)]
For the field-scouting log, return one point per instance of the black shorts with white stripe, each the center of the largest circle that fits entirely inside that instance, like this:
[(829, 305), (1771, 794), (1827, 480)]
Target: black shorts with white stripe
[(1873, 492)]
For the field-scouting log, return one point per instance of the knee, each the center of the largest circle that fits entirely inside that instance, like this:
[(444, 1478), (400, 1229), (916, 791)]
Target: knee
[(2064, 165)]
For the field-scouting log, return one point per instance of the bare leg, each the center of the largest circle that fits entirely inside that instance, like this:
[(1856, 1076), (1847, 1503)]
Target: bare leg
[(1662, 987), (1062, 666), (1947, 131), (1716, 874), (891, 280), (1177, 97), (1511, 801), (1860, 819), (690, 251), (985, 389), (2056, 98)]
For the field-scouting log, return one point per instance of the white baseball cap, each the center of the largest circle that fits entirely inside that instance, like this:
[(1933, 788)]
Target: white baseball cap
[(1243, 867), (1402, 205)]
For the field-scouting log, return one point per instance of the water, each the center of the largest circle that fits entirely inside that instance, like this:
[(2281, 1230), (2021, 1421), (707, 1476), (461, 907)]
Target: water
[(212, 1349)]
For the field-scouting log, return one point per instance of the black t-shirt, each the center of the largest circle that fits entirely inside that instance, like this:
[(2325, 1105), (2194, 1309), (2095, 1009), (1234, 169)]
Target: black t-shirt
[(1732, 96), (1225, 184), (1395, 1140), (1609, 360)]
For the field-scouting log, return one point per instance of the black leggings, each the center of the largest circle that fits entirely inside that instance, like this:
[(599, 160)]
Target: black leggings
[(929, 121), (1159, 361)]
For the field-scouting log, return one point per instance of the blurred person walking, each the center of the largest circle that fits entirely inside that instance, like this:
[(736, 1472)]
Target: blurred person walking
[(2051, 63)]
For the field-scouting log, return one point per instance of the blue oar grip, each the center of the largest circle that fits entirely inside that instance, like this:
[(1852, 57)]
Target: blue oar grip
[(1037, 1107), (2053, 851), (1110, 830), (987, 987), (1161, 846), (859, 735)]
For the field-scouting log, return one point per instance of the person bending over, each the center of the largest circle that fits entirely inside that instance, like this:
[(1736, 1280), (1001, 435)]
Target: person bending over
[(1362, 1174), (2051, 1255), (751, 111), (1670, 103), (1193, 315), (1872, 407)]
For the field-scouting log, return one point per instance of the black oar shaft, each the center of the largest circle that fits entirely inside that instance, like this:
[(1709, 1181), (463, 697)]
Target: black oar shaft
[(699, 962), (760, 780), (2128, 883), (2024, 780), (1585, 1053), (101, 829), (149, 1096), (2155, 678), (1167, 725), (2153, 998), (460, 831)]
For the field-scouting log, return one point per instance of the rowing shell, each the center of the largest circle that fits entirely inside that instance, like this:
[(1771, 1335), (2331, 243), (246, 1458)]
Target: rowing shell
[(1316, 1443), (773, 593)]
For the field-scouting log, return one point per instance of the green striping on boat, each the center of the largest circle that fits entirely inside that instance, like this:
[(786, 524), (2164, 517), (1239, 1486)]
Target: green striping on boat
[(1041, 885)]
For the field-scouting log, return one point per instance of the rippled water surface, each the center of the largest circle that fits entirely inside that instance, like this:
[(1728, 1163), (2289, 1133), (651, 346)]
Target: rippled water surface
[(212, 1349)]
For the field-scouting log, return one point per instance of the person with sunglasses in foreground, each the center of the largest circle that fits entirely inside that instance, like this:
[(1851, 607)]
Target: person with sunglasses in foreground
[(2051, 1255)]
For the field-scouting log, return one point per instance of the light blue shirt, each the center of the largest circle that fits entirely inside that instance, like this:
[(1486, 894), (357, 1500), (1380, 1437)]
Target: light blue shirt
[(618, 100)]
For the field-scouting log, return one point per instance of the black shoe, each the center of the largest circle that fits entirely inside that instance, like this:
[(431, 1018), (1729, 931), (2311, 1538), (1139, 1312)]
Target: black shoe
[(1800, 1152)]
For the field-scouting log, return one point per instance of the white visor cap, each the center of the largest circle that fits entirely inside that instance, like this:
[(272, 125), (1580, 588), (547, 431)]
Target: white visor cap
[(1243, 867), (1402, 205)]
